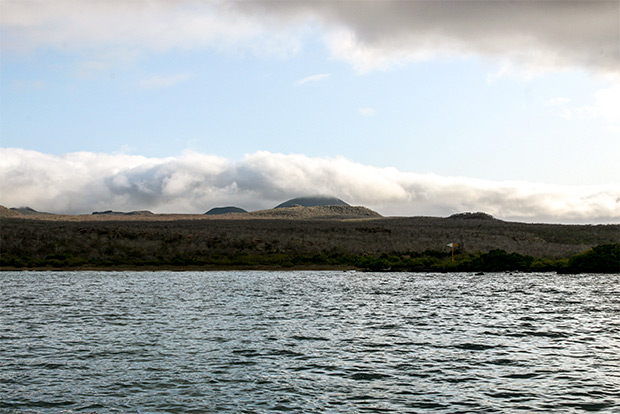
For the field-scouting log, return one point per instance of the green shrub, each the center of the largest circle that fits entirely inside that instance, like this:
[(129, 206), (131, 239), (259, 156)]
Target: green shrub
[(600, 259)]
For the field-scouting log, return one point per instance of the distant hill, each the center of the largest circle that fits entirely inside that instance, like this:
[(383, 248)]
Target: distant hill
[(9, 212), (312, 202), (225, 210), (472, 216), (331, 212), (120, 213), (27, 211)]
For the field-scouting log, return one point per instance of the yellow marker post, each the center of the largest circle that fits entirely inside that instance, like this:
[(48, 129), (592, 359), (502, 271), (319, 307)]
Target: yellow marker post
[(451, 245)]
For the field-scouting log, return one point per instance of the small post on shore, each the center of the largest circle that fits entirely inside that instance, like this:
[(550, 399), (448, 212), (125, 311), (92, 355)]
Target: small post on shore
[(451, 245)]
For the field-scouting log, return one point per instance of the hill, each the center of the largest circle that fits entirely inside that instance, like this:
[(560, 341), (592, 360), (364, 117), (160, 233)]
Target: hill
[(225, 210), (121, 213), (28, 211), (472, 216), (9, 212), (24, 212), (326, 212), (312, 202)]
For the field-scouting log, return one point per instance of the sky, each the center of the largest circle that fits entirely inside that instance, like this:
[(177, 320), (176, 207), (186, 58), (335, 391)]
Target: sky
[(407, 107)]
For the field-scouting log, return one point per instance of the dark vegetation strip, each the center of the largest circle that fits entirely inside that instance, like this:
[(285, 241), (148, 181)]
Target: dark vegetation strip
[(415, 244), (600, 259)]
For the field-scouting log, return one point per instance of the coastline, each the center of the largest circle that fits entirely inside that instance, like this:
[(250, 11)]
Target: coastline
[(305, 268), (410, 244), (172, 268)]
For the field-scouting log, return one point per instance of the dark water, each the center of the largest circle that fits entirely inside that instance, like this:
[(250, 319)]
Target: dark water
[(308, 342)]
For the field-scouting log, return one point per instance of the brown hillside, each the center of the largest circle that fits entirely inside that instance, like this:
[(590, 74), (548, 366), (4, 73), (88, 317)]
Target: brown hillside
[(340, 212), (7, 212)]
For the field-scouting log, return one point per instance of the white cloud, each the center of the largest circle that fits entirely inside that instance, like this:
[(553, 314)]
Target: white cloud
[(157, 81), (605, 106), (560, 106), (367, 111), (128, 26), (313, 78), (83, 182)]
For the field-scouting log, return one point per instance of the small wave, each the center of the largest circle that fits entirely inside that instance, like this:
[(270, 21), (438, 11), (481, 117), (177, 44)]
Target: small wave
[(246, 352), (510, 395), (309, 338), (93, 406), (316, 367), (548, 334), (522, 376), (592, 406), (502, 361), (36, 404), (368, 376), (285, 353), (428, 405), (49, 365), (474, 347)]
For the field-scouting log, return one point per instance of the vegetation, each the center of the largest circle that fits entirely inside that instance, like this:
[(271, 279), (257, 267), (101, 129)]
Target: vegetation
[(603, 259), (397, 244)]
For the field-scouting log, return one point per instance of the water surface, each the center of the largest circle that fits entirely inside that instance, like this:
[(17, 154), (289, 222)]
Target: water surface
[(308, 342)]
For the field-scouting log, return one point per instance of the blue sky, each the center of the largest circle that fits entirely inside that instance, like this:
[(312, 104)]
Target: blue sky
[(530, 96)]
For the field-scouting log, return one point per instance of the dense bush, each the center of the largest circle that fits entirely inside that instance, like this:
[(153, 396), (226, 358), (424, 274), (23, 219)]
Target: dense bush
[(601, 259), (499, 260)]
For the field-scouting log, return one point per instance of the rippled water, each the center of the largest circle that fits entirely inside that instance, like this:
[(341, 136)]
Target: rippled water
[(320, 342)]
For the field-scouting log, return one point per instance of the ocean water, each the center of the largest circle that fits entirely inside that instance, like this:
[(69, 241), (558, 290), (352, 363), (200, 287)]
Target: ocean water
[(308, 342)]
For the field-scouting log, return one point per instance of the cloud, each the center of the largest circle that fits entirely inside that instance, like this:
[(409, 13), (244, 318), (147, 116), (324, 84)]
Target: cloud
[(366, 111), (541, 34), (157, 81), (561, 106), (83, 182), (126, 27), (369, 35), (606, 102), (313, 78)]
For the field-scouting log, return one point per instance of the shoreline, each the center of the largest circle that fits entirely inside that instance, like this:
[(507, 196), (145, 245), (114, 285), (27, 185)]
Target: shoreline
[(189, 268), (316, 268)]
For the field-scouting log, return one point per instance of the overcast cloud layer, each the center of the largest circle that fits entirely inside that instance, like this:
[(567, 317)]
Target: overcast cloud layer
[(539, 34), (368, 34), (83, 182)]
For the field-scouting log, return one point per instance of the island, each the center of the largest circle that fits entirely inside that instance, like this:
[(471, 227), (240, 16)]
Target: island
[(296, 236)]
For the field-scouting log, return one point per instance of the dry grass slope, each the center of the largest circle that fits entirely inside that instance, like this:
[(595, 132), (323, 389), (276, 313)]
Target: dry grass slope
[(6, 212), (317, 212)]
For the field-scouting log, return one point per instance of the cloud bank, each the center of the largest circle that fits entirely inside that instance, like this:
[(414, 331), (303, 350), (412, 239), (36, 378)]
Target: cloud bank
[(367, 34), (83, 182)]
